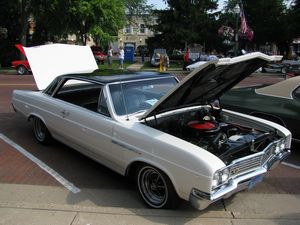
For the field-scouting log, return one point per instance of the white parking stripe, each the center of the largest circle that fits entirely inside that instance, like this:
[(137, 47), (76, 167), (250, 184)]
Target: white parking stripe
[(42, 165), (291, 165)]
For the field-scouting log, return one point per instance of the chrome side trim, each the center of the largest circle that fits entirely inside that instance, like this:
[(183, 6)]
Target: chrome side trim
[(126, 146)]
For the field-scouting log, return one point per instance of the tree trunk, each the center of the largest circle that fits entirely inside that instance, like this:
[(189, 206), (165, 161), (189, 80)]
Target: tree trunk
[(23, 4)]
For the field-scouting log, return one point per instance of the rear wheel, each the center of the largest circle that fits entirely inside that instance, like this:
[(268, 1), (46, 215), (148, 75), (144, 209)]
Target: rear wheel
[(21, 70), (155, 188), (40, 131)]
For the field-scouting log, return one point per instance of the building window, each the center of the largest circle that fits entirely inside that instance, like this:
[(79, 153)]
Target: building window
[(128, 29), (142, 28)]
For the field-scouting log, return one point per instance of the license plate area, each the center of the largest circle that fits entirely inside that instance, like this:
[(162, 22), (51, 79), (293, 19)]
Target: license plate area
[(255, 180)]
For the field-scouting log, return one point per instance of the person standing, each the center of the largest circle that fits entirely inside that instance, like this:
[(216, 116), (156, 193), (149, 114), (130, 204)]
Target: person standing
[(121, 57), (186, 59), (109, 57), (166, 63)]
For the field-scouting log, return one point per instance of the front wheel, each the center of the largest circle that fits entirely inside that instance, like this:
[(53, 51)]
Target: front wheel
[(284, 70), (155, 188), (40, 131)]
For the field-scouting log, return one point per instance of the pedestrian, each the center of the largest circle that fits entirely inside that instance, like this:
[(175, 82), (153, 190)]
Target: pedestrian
[(109, 57), (121, 57), (143, 54), (165, 63), (186, 59), (161, 62)]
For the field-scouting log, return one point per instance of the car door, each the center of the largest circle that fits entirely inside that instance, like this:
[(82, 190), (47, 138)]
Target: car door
[(79, 121)]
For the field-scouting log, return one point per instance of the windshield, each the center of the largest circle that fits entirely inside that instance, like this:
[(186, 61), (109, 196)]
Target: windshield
[(135, 96)]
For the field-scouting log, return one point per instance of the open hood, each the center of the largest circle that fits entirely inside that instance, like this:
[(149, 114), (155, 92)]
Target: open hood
[(49, 61), (209, 82)]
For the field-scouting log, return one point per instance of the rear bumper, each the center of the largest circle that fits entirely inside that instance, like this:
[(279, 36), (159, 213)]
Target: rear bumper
[(201, 200)]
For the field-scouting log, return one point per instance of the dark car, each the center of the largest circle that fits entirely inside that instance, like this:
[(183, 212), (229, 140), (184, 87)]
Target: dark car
[(279, 103), (274, 68), (286, 66), (293, 66)]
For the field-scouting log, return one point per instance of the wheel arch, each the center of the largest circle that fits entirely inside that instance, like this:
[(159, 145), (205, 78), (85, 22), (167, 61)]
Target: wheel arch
[(32, 115), (133, 166)]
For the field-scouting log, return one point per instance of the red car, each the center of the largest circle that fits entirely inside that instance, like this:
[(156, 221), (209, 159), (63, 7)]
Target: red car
[(22, 66), (98, 54)]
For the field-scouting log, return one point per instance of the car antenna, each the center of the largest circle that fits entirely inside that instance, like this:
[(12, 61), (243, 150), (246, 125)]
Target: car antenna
[(123, 98)]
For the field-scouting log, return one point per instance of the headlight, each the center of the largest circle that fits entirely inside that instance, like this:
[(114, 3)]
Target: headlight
[(280, 146), (220, 177)]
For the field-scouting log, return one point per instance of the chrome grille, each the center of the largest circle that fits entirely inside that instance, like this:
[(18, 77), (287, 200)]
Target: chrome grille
[(252, 162)]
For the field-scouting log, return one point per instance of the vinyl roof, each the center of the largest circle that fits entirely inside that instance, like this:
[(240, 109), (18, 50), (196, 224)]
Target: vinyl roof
[(121, 77), (281, 89)]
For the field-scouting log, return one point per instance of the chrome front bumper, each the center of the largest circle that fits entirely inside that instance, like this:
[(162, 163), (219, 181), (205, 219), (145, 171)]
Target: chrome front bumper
[(201, 200)]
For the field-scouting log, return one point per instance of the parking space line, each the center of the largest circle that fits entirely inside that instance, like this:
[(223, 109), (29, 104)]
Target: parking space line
[(291, 165), (71, 187)]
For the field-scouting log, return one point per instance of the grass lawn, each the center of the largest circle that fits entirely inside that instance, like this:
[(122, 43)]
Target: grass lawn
[(104, 70), (7, 70)]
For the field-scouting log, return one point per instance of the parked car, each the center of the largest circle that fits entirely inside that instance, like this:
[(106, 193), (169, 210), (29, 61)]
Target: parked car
[(22, 66), (166, 135), (274, 68), (286, 66), (98, 54), (155, 59), (176, 55), (195, 65), (279, 103), (293, 66)]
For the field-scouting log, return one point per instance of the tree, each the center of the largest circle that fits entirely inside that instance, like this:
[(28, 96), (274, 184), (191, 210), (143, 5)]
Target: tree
[(99, 19), (185, 22), (13, 13)]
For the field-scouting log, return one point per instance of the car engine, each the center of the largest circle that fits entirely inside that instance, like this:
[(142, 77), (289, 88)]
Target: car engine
[(209, 129)]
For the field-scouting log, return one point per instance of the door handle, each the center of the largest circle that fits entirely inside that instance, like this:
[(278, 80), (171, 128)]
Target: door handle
[(65, 113)]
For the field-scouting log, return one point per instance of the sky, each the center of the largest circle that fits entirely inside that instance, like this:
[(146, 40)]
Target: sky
[(160, 4)]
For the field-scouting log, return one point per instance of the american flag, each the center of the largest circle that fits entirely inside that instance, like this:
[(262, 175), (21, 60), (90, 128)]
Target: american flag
[(246, 31)]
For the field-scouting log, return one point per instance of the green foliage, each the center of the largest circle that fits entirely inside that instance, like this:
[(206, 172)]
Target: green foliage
[(185, 22), (100, 18)]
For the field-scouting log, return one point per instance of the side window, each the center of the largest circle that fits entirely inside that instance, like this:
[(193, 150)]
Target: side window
[(102, 107), (81, 93), (296, 93), (50, 89)]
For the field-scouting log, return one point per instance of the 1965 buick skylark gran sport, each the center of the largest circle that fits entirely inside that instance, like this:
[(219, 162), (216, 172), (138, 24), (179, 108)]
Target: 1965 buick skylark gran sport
[(170, 136)]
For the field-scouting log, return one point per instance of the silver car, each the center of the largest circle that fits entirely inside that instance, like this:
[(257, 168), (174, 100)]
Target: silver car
[(171, 137)]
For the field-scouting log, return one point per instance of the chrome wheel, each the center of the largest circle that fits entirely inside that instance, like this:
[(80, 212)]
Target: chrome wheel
[(152, 187), (41, 132), (21, 70), (284, 70)]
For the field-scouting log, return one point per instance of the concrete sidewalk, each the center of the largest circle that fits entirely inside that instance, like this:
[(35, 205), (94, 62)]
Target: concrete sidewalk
[(28, 204), (135, 66)]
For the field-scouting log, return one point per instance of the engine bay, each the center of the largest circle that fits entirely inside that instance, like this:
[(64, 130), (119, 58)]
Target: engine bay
[(208, 128)]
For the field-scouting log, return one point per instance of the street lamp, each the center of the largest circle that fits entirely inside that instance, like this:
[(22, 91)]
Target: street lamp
[(237, 11)]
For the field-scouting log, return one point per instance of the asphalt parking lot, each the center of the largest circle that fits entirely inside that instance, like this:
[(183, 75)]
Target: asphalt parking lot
[(57, 176)]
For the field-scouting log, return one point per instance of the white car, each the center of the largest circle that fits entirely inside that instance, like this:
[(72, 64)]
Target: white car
[(195, 65), (171, 137)]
